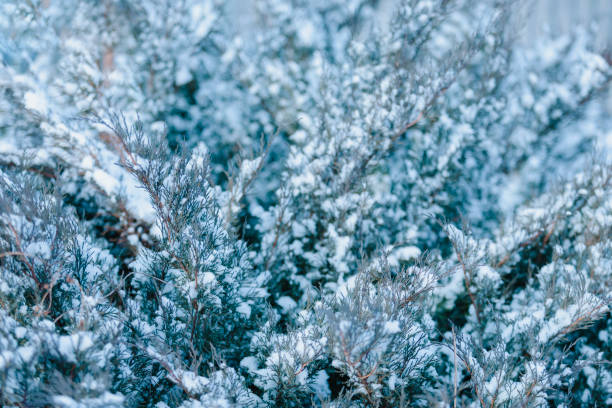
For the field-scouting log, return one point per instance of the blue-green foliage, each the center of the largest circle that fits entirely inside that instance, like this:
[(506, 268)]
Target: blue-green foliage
[(332, 206)]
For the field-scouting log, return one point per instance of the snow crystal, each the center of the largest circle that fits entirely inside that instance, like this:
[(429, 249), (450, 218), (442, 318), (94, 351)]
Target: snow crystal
[(300, 137), (191, 290), (345, 286), (250, 363), (26, 353), (342, 245), (302, 376), (90, 301), (286, 303), (320, 384), (139, 205), (244, 309), (303, 181), (158, 127), (75, 343), (561, 320), (64, 401), (278, 357), (107, 182), (249, 167), (191, 381), (5, 359), (392, 327), (486, 273), (39, 249), (204, 15), (36, 102), (306, 33), (207, 277), (20, 332), (87, 163), (183, 76), (407, 253)]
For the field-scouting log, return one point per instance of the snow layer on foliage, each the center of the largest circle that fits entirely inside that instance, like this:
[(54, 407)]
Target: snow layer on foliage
[(70, 346), (106, 400), (192, 382), (286, 303), (392, 327), (36, 102), (330, 260)]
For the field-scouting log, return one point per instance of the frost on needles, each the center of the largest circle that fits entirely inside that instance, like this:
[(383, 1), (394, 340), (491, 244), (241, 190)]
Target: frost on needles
[(328, 208)]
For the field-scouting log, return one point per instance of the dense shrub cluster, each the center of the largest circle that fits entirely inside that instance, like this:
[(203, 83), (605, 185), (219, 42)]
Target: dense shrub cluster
[(328, 208)]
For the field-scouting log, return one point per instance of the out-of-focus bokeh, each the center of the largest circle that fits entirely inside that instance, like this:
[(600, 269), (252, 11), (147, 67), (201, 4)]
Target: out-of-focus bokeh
[(561, 16), (541, 17)]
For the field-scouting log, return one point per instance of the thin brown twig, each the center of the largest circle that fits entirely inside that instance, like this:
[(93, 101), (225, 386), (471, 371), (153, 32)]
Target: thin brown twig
[(24, 258), (11, 253), (466, 280), (482, 403)]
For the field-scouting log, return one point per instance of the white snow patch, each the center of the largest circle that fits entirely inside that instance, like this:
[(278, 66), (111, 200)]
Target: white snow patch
[(320, 384), (286, 303), (407, 253), (244, 309), (26, 353), (39, 249), (183, 76), (204, 17), (191, 381), (392, 327), (107, 182), (306, 33), (74, 343), (250, 363), (20, 332), (207, 277), (36, 102), (249, 167)]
